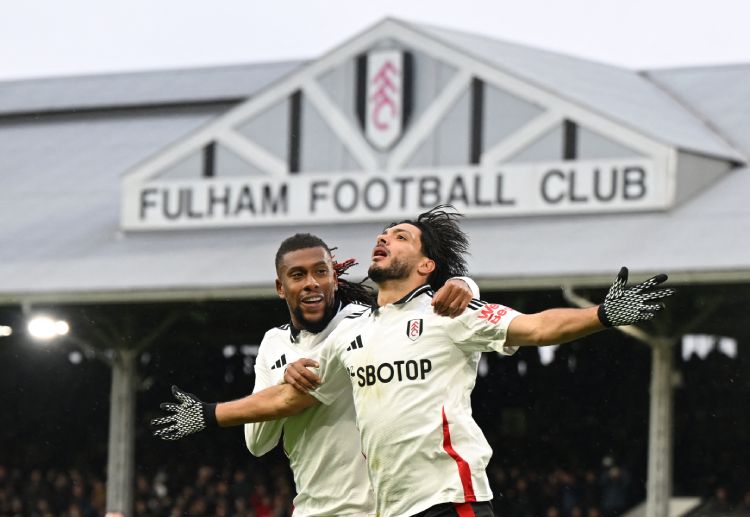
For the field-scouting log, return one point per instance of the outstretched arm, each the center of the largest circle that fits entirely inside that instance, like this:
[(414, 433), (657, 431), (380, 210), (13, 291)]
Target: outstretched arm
[(553, 326), (192, 415), (622, 306)]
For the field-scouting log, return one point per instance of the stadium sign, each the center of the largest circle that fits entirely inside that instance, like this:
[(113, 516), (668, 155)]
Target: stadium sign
[(388, 125), (510, 190)]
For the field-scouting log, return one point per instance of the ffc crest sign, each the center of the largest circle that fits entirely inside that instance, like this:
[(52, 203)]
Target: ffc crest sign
[(414, 329), (384, 89)]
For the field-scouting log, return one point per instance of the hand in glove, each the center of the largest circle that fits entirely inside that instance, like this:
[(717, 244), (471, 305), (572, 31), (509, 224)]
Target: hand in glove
[(189, 416), (627, 305)]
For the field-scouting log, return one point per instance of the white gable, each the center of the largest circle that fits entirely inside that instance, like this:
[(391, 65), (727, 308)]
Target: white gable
[(316, 146)]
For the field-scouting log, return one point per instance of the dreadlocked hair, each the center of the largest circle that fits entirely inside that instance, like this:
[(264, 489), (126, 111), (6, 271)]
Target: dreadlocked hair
[(348, 292), (444, 242), (352, 292)]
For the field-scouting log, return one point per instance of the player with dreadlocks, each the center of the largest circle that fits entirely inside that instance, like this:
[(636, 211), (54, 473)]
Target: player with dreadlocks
[(411, 372), (309, 280)]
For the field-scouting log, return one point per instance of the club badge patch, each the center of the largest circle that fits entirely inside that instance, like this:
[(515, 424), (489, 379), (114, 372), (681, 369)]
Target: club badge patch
[(414, 329)]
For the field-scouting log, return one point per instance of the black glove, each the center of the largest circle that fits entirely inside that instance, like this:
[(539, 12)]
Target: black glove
[(625, 306), (189, 416)]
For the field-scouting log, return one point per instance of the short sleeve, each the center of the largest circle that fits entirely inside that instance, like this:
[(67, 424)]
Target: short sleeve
[(333, 374), (482, 328), (261, 437), (263, 378)]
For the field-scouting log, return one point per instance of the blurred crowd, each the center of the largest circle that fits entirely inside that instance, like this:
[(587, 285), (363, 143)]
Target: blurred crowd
[(602, 491), (204, 492), (243, 492), (560, 492), (50, 492)]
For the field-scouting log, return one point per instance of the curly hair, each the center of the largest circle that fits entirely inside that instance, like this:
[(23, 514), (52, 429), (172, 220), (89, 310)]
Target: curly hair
[(348, 292), (443, 241)]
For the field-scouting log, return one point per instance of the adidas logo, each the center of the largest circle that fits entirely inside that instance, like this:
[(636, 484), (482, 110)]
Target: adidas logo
[(281, 361), (357, 343)]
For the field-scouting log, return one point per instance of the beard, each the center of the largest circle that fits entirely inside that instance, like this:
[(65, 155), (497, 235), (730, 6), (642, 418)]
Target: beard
[(398, 270), (316, 326)]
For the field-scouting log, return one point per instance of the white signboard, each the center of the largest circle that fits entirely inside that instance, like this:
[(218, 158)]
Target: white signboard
[(508, 190)]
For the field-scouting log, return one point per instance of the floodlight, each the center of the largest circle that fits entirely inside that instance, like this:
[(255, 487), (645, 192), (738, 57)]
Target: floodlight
[(5, 331), (45, 328)]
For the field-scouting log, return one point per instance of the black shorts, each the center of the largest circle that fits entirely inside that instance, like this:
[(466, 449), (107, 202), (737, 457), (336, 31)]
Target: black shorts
[(481, 509)]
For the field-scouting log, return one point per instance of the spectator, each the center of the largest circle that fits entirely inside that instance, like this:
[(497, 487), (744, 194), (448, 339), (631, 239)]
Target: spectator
[(719, 504), (743, 508), (615, 484)]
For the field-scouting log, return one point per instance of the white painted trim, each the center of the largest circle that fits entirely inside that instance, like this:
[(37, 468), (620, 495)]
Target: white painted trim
[(521, 138), (357, 45), (429, 120), (253, 153), (530, 92), (440, 51), (209, 132), (350, 136), (272, 94), (168, 157)]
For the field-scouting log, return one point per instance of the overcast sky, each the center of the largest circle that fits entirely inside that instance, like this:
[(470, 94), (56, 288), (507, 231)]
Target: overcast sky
[(40, 38)]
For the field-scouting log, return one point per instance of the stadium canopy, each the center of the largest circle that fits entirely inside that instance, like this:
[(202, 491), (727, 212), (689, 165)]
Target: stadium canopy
[(179, 185)]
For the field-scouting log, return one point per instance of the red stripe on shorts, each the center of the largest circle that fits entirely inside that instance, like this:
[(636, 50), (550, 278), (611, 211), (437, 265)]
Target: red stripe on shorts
[(464, 471)]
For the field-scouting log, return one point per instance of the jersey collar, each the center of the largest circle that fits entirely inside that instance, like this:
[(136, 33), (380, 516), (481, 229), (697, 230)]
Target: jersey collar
[(416, 292), (409, 297)]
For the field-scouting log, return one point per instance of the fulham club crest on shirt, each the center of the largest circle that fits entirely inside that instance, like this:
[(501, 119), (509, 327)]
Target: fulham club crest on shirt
[(414, 329)]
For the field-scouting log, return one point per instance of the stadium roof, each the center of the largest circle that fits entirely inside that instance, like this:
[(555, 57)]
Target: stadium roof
[(139, 89), (65, 143), (616, 92), (726, 113)]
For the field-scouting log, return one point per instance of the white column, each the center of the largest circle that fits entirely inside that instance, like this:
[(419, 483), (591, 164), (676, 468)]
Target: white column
[(659, 484), (121, 453)]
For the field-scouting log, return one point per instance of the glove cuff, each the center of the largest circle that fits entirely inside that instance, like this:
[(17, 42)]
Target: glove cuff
[(209, 414), (603, 316)]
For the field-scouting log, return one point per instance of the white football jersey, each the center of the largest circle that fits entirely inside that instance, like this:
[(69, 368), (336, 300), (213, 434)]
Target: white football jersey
[(412, 373), (322, 442)]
